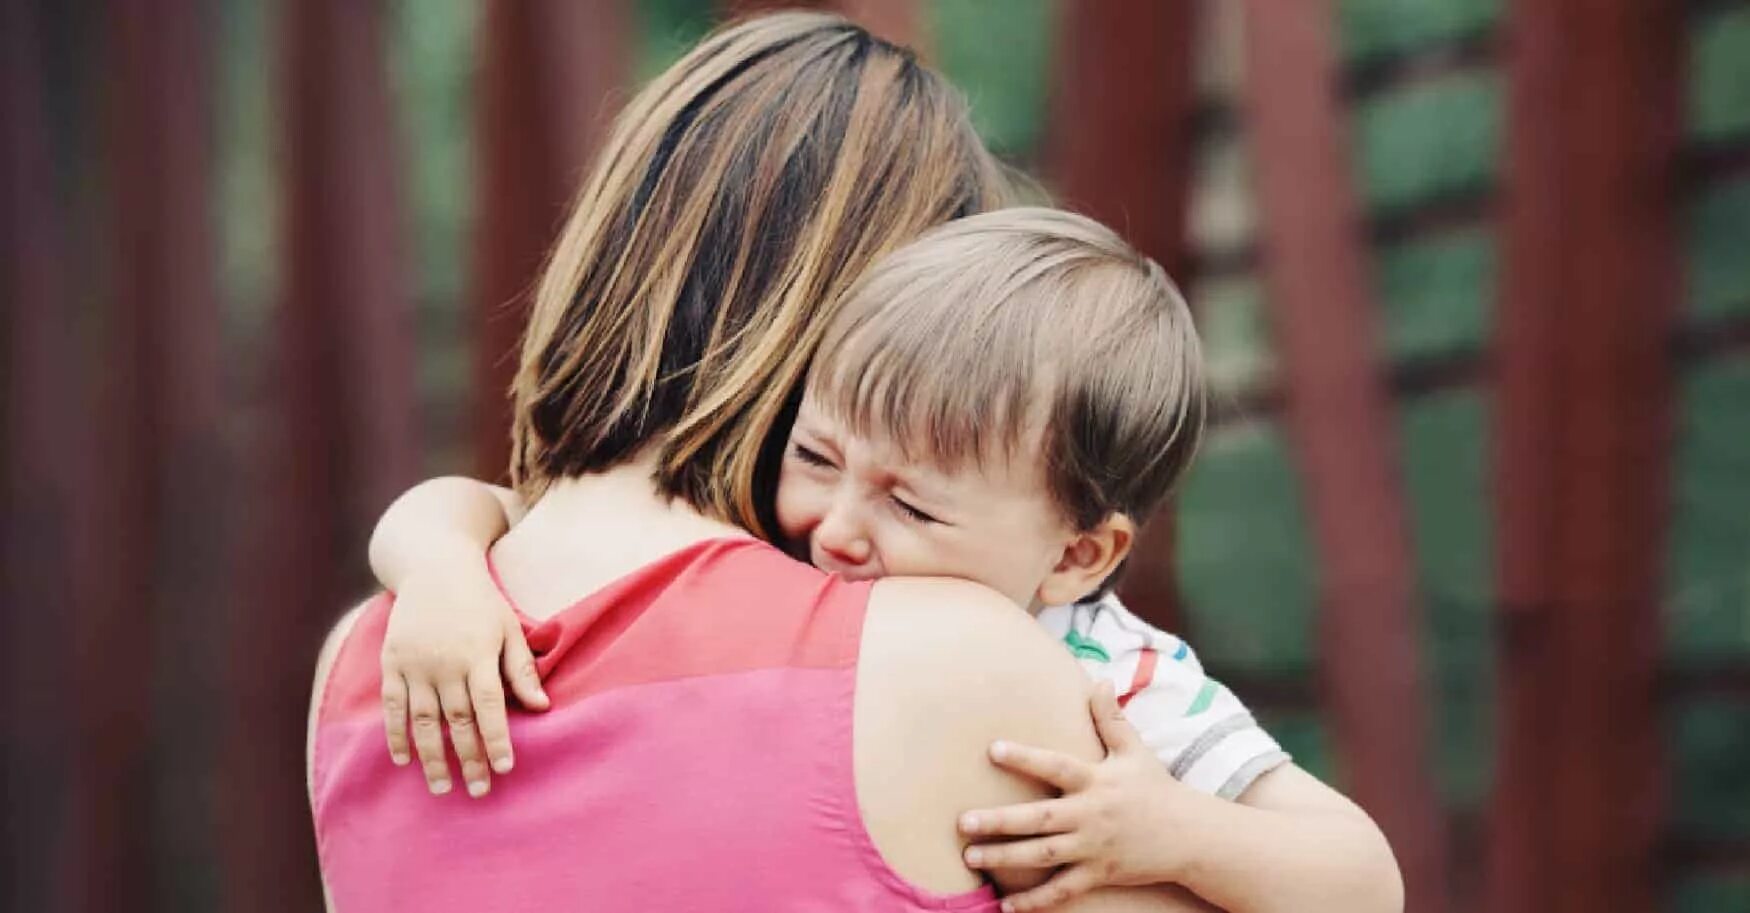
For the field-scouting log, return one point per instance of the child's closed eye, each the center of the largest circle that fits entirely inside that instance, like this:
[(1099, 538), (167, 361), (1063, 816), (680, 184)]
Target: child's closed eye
[(912, 512), (811, 457)]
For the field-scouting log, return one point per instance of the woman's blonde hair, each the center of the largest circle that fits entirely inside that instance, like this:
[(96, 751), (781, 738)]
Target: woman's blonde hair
[(738, 196)]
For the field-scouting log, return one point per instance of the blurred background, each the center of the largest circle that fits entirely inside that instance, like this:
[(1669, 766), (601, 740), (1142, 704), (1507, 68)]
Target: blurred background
[(1472, 530)]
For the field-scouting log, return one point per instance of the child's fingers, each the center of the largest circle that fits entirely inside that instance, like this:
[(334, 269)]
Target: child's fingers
[(1050, 816), (519, 668), (1071, 882), (1109, 720), (428, 735), (395, 717), (1060, 770), (487, 693), (1038, 853), (465, 736)]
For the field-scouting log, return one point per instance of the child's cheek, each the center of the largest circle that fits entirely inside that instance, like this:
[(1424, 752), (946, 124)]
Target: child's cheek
[(793, 522)]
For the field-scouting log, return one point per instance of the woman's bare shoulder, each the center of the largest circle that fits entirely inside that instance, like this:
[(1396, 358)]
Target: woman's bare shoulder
[(979, 662), (945, 668), (968, 633)]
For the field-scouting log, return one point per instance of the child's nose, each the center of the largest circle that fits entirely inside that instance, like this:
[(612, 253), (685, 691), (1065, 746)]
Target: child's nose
[(842, 537)]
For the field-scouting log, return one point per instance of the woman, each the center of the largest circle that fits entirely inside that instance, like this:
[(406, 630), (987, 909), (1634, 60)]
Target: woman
[(813, 747)]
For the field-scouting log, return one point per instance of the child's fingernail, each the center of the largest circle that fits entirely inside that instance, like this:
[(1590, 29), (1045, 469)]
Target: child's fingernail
[(999, 750), (502, 765), (969, 823), (477, 788), (1008, 906), (399, 759), (974, 858), (440, 787)]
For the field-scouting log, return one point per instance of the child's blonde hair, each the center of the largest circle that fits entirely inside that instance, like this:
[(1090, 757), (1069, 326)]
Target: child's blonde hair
[(966, 342)]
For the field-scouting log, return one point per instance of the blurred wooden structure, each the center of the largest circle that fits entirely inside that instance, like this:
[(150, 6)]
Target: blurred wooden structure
[(548, 71), (1583, 440), (180, 529), (1339, 419)]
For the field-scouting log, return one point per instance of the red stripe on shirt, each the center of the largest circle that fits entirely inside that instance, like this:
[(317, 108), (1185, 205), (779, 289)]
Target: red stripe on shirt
[(1145, 675)]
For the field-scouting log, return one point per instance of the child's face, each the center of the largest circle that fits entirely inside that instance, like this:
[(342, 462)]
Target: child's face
[(862, 510)]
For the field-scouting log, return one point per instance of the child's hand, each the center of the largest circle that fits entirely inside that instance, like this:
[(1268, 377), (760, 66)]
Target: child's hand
[(1110, 826), (446, 643)]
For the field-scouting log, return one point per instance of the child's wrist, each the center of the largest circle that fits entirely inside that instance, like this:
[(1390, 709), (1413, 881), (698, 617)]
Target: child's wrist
[(1198, 823), (456, 550), (452, 557)]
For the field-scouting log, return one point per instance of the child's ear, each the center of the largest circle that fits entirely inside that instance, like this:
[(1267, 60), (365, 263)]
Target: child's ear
[(1088, 559)]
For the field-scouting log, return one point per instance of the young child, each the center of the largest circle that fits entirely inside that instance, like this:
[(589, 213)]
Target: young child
[(1003, 400)]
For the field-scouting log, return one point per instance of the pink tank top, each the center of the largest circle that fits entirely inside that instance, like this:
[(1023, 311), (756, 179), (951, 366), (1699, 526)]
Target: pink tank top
[(697, 757)]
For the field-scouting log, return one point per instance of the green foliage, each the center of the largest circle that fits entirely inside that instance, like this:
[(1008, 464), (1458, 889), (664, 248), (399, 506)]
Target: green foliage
[(1719, 75), (1304, 736), (431, 56), (998, 53), (1710, 738), (1236, 342), (1428, 139), (666, 29), (1719, 271), (1374, 28), (1445, 457), (246, 187), (430, 49), (1243, 554), (1436, 292), (1708, 587), (1711, 894), (1445, 444)]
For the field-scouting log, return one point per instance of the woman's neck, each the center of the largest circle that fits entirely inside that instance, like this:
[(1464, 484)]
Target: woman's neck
[(586, 532)]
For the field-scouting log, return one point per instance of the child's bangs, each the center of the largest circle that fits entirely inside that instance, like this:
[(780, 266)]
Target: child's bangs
[(918, 374)]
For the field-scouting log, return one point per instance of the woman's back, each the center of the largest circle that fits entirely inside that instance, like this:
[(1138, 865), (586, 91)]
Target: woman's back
[(698, 755)]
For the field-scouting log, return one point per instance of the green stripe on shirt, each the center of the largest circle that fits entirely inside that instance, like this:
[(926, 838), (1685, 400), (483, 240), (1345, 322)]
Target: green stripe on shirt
[(1205, 697)]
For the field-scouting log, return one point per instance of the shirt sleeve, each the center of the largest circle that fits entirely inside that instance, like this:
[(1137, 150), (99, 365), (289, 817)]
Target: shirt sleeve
[(1199, 729)]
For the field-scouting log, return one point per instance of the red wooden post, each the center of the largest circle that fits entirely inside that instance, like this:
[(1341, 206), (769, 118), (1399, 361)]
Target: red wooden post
[(44, 464), (341, 438), (1341, 422), (1589, 303), (550, 70), (1119, 150), (344, 191), (168, 312), (156, 408)]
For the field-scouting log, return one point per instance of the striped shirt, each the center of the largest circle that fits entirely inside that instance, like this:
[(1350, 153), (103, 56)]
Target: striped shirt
[(1199, 729)]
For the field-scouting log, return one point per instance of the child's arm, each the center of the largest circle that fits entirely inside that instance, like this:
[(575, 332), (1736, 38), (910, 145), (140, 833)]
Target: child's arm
[(450, 633), (446, 512), (1290, 844)]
